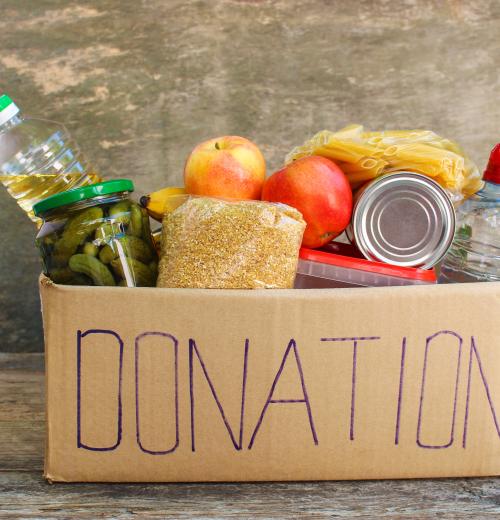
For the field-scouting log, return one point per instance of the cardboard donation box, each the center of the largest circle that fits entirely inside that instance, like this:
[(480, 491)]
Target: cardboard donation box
[(221, 385)]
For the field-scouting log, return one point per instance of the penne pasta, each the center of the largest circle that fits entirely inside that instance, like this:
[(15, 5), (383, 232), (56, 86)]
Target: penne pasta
[(366, 155)]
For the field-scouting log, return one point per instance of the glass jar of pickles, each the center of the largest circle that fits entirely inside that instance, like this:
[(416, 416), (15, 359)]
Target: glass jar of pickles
[(96, 235)]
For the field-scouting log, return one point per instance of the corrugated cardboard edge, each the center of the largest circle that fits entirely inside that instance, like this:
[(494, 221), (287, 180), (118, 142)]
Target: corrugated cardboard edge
[(46, 283), (47, 289)]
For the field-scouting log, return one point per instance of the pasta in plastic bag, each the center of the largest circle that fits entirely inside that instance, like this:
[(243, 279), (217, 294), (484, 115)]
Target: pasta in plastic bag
[(365, 155), (219, 244)]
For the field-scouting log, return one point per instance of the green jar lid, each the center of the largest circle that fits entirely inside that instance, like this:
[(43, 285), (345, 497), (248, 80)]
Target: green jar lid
[(87, 192)]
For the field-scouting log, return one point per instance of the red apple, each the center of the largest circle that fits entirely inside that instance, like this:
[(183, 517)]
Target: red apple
[(318, 188), (228, 167)]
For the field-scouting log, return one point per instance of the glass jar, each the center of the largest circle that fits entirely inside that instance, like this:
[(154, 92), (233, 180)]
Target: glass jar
[(96, 235)]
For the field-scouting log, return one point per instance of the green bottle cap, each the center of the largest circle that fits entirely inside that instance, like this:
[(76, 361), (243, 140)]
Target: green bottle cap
[(8, 109), (87, 192), (5, 101)]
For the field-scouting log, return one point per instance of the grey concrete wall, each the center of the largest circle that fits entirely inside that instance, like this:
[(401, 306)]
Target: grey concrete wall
[(139, 83)]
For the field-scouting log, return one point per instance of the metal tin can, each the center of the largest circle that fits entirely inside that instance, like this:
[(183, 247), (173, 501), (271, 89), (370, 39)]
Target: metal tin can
[(404, 219)]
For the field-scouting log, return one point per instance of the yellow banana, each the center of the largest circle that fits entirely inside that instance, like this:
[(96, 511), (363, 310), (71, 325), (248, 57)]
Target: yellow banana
[(163, 201)]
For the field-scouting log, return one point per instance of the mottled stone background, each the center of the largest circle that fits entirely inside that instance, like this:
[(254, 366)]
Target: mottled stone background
[(139, 83)]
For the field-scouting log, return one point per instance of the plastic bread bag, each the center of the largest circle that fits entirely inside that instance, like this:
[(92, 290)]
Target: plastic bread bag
[(220, 244), (365, 155)]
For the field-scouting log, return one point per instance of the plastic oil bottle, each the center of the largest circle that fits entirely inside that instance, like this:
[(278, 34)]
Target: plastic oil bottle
[(38, 158), (475, 253)]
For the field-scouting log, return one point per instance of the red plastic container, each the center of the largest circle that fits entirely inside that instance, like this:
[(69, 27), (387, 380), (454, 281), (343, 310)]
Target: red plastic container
[(321, 270)]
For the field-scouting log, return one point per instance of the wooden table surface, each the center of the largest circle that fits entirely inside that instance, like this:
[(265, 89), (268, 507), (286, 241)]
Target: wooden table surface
[(25, 494)]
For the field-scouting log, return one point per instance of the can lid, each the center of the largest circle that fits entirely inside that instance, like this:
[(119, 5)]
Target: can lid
[(87, 192), (492, 172), (404, 219), (8, 109), (361, 264)]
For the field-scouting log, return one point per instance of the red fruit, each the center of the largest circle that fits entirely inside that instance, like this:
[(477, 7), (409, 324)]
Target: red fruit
[(319, 189)]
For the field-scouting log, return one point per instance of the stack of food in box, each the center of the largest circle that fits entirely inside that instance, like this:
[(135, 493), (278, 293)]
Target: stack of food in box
[(391, 194), (182, 385)]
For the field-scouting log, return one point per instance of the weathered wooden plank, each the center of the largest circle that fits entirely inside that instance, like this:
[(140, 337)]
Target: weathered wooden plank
[(28, 496), (31, 362), (25, 494), (22, 415)]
